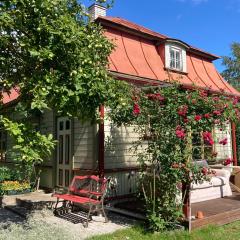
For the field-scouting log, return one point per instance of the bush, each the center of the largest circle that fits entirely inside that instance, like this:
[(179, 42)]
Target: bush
[(5, 174)]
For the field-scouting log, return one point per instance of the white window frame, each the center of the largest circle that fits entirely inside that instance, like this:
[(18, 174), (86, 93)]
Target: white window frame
[(182, 57)]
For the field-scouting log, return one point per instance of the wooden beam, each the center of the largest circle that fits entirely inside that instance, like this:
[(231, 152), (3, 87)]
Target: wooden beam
[(101, 143), (234, 144)]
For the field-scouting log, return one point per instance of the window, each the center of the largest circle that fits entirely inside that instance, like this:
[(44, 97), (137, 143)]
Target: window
[(3, 144), (201, 149), (175, 57)]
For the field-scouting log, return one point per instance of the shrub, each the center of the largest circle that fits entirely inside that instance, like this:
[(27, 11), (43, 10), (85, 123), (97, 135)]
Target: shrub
[(5, 174)]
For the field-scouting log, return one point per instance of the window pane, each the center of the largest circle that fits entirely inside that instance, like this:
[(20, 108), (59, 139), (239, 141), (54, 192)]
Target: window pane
[(175, 59), (67, 149), (67, 124), (60, 149), (61, 125), (177, 56)]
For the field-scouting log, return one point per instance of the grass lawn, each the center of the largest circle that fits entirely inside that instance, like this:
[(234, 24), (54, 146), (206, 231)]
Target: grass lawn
[(227, 232)]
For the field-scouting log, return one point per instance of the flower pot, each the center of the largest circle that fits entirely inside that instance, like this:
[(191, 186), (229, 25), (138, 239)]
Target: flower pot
[(199, 215)]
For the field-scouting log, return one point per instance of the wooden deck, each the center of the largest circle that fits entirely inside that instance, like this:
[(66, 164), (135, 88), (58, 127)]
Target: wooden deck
[(218, 211)]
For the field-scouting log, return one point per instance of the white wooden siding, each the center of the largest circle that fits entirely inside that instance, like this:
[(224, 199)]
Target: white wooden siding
[(126, 183), (119, 146), (47, 126), (85, 149)]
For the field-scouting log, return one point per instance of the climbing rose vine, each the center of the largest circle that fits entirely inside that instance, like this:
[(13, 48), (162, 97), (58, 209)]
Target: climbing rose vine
[(166, 120)]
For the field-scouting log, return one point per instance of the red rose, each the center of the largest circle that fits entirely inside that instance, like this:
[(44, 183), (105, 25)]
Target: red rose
[(185, 120), (198, 118), (204, 171), (155, 96), (216, 99), (203, 93), (235, 101), (207, 137), (223, 141), (180, 133), (182, 110), (217, 112), (227, 161), (207, 115), (136, 109)]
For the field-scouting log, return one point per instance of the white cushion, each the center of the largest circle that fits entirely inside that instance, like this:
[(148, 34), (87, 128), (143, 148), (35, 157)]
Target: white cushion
[(218, 181)]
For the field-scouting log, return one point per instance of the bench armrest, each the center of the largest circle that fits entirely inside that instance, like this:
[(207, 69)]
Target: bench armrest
[(222, 173)]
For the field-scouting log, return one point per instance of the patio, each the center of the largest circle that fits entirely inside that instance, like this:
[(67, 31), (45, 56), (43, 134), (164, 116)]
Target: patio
[(217, 211)]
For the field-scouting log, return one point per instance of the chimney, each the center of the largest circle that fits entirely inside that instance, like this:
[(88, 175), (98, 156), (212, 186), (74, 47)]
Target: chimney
[(96, 10)]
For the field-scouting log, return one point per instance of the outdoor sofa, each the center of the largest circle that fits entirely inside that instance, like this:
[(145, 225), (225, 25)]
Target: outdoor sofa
[(217, 187)]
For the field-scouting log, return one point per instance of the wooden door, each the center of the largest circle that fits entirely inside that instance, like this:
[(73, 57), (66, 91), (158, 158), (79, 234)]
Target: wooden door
[(64, 155)]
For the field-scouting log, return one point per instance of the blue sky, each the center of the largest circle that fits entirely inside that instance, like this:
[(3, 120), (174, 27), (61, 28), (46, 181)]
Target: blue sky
[(211, 25)]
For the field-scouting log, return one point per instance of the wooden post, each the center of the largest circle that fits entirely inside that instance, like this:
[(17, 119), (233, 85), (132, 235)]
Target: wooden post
[(186, 188), (101, 143), (234, 143)]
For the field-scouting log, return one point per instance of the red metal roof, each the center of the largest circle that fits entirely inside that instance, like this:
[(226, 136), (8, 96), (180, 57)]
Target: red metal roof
[(138, 56), (140, 29)]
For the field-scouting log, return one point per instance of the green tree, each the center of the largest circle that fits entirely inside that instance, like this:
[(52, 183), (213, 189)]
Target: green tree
[(59, 59), (232, 63)]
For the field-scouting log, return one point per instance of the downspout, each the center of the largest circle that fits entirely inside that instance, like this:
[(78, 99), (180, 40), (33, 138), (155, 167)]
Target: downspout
[(101, 142), (234, 143)]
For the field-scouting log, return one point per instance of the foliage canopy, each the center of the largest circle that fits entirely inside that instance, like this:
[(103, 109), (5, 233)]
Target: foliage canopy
[(58, 59)]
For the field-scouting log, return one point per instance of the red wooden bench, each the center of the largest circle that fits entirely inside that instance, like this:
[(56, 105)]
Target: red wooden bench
[(88, 191)]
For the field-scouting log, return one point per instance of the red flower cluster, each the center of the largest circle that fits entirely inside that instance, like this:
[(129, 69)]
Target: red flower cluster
[(216, 99), (207, 137), (223, 141), (203, 94), (217, 112), (235, 101), (227, 161), (182, 110), (180, 133), (204, 171), (136, 109), (185, 120), (155, 96), (198, 118), (207, 115)]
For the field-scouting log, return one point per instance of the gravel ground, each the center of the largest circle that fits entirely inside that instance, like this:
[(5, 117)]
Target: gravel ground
[(43, 225)]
